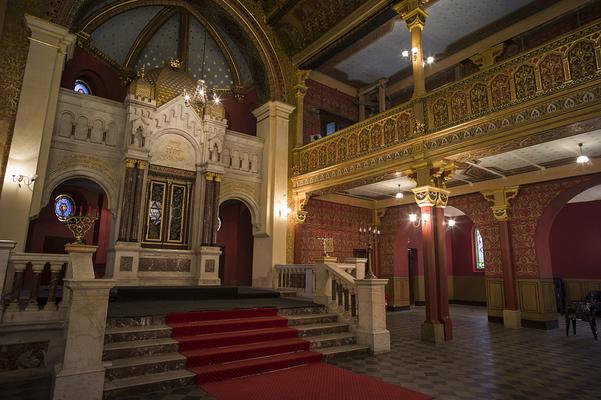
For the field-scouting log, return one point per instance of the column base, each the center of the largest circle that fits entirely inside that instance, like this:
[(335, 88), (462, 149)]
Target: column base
[(432, 333), (512, 319), (378, 341), (78, 384)]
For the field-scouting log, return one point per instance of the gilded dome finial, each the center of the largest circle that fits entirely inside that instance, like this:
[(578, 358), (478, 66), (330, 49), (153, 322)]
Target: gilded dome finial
[(175, 63)]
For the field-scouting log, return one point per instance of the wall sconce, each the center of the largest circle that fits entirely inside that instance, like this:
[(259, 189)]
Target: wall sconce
[(451, 222), (399, 194), (417, 222), (283, 209), (19, 178)]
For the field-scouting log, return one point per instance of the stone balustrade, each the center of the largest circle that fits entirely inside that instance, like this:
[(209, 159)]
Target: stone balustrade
[(300, 277), (24, 298), (359, 302)]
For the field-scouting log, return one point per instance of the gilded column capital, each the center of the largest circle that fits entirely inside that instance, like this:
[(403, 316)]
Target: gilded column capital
[(209, 176), (300, 88), (142, 165), (130, 162), (217, 177), (501, 199), (430, 196), (412, 12)]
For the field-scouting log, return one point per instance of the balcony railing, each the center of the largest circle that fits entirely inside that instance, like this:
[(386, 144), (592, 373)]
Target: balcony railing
[(570, 61)]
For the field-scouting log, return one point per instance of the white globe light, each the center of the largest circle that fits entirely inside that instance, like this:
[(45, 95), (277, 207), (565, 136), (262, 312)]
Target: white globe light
[(399, 195), (582, 159)]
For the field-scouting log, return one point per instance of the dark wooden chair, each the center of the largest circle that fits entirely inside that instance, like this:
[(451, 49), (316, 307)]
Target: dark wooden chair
[(584, 310)]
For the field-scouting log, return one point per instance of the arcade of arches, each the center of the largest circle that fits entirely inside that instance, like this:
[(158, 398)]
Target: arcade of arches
[(298, 148)]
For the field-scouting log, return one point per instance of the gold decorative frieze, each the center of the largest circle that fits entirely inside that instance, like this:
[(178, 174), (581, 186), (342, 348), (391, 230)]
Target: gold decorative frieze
[(550, 81), (430, 196), (500, 199)]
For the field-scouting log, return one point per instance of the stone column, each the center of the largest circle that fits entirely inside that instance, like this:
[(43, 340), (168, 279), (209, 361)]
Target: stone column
[(371, 330), (6, 246), (207, 220), (382, 95), (413, 14), (129, 184), (300, 90), (361, 107), (441, 266), (214, 224), (81, 374), (270, 229), (500, 198), (136, 210), (429, 198), (49, 46)]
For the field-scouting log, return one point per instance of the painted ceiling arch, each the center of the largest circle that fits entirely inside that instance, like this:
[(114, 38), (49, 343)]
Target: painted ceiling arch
[(242, 50)]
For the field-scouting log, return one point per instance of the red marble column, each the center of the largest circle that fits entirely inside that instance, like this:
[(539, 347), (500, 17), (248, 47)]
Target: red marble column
[(509, 291), (137, 202), (430, 269), (207, 220), (442, 276), (127, 199), (214, 223)]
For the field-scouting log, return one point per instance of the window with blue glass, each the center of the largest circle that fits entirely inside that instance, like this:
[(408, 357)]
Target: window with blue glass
[(64, 207), (478, 250), (82, 86)]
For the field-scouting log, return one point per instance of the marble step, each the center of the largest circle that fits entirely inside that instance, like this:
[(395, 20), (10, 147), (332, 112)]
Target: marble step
[(307, 319), (142, 365), (331, 340), (341, 351), (302, 310), (321, 329), (120, 388), (135, 348), (130, 333), (135, 321)]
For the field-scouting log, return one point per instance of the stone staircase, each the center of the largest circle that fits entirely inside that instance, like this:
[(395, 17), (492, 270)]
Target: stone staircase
[(142, 356)]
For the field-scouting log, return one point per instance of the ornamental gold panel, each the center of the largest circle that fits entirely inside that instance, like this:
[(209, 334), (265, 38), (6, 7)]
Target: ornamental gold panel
[(564, 65)]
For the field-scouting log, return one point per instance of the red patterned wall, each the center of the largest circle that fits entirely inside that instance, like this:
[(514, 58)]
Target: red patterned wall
[(322, 97), (327, 219)]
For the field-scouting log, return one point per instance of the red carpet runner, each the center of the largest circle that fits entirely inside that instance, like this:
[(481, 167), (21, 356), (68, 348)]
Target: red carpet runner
[(227, 344), (310, 382)]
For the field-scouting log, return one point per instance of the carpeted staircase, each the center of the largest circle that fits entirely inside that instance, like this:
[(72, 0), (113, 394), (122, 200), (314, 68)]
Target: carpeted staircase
[(155, 353)]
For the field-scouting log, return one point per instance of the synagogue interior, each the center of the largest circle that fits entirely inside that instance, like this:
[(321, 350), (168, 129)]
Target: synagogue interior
[(300, 200)]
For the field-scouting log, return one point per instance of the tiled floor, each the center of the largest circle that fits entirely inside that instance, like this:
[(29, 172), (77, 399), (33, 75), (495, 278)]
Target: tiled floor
[(484, 361), (487, 361)]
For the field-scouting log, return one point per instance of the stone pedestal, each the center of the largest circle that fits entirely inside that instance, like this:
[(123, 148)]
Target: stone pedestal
[(81, 374), (124, 260), (371, 330), (512, 319), (5, 248), (323, 282), (359, 266), (208, 270)]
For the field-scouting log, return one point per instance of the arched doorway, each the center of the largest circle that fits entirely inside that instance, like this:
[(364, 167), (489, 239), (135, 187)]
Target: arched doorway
[(466, 260), (236, 240), (567, 241), (47, 234)]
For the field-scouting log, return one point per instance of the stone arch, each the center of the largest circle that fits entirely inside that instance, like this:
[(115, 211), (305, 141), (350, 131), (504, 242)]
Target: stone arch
[(245, 199), (545, 222), (54, 181), (268, 50), (178, 132)]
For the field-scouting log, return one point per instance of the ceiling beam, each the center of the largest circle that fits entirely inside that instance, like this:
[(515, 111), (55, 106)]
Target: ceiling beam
[(540, 18)]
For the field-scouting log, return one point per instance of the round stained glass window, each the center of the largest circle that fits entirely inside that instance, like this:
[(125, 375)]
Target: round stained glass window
[(64, 207), (82, 87)]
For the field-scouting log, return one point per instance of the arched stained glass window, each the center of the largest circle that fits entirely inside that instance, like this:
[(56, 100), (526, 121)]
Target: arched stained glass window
[(82, 87), (478, 250)]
